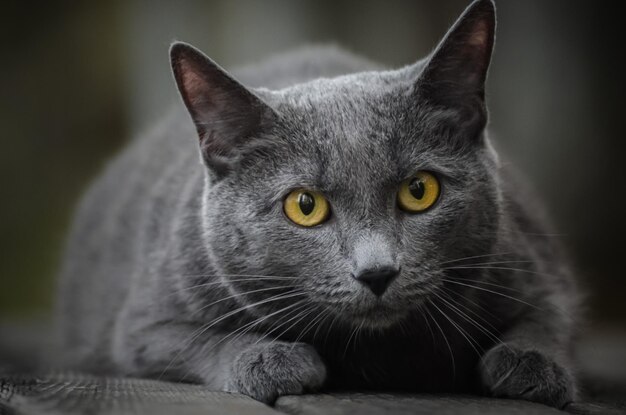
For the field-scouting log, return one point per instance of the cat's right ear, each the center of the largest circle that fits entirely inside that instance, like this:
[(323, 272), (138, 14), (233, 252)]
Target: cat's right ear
[(455, 73), (226, 114)]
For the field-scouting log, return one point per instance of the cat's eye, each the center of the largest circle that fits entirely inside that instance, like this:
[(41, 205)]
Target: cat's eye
[(306, 207), (419, 192)]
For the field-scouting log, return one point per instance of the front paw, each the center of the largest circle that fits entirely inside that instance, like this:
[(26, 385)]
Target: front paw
[(267, 371), (526, 374)]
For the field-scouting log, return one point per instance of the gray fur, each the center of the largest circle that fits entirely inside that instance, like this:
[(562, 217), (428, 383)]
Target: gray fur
[(172, 255)]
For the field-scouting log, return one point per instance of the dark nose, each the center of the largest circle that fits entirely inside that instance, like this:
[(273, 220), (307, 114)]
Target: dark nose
[(378, 279)]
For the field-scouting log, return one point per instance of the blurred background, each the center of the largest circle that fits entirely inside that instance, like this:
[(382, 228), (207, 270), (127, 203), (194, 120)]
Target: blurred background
[(78, 80)]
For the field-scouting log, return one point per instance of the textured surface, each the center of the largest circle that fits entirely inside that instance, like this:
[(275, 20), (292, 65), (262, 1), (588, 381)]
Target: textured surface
[(392, 404), (74, 394)]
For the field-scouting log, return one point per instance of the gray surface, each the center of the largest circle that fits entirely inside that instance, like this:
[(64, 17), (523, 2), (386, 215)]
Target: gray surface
[(76, 394), (595, 408), (72, 394), (406, 405)]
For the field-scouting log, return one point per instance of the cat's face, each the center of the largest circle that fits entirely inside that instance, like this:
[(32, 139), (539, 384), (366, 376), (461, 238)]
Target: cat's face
[(355, 146), (352, 141)]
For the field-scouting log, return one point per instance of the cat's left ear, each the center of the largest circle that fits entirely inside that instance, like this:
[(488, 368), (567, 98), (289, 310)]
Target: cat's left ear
[(455, 73), (227, 115)]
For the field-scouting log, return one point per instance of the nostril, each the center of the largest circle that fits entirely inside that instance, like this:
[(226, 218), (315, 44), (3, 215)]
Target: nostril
[(377, 279)]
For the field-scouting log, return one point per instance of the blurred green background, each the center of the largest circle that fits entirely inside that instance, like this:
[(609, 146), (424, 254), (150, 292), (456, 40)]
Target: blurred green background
[(79, 80)]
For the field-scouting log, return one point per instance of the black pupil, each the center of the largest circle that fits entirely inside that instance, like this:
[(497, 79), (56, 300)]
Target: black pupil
[(417, 188), (307, 203)]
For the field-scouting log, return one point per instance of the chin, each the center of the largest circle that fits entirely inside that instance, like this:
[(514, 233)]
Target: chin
[(376, 317)]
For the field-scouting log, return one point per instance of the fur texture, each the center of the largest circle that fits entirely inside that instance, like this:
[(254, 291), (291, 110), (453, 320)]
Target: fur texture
[(188, 269)]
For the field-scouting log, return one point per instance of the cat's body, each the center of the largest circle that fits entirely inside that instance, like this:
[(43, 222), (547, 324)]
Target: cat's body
[(170, 255)]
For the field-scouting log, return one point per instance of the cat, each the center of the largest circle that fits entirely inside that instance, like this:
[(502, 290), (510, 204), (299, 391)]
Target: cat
[(344, 227)]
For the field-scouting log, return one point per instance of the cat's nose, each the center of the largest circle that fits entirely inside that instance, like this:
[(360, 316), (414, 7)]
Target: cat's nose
[(377, 279)]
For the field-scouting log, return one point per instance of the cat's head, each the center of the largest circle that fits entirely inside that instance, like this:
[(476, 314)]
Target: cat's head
[(350, 193)]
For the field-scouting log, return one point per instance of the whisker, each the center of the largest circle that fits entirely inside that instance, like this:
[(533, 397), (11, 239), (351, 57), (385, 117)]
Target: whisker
[(330, 327), (499, 262), (466, 317), (205, 327), (345, 352), (402, 326), (504, 287), (551, 306), (209, 284), (326, 314), (513, 232), (506, 269), (243, 330), (308, 327), (241, 295), (469, 300), (278, 297), (356, 337), (475, 256), (496, 339), (445, 339), (297, 304), (493, 292), (430, 329), (255, 276), (460, 330), (303, 311), (302, 316)]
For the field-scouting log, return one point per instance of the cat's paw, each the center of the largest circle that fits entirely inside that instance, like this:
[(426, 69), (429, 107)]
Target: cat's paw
[(526, 374), (267, 371)]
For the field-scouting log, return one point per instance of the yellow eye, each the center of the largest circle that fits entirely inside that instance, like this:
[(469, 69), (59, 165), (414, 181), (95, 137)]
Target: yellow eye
[(419, 192), (306, 207)]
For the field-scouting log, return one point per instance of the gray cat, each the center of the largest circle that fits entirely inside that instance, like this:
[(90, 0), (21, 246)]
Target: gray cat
[(346, 227)]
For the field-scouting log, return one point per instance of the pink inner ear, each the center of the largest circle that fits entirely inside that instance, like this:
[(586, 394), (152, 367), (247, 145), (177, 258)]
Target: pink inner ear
[(194, 84), (479, 35)]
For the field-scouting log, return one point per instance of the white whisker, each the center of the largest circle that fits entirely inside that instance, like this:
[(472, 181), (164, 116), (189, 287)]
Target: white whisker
[(493, 292), (241, 295), (492, 284), (475, 256), (443, 334), (461, 330), (466, 317), (205, 327), (253, 276), (243, 330), (527, 271), (303, 310), (470, 301), (212, 283)]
